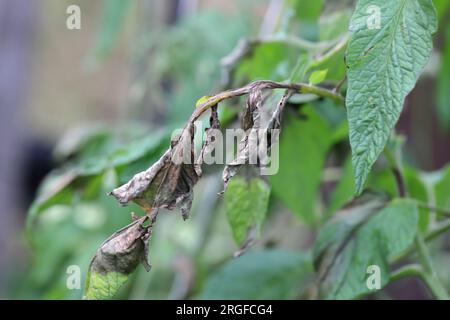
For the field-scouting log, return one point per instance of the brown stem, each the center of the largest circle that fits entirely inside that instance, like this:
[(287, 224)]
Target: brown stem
[(262, 85)]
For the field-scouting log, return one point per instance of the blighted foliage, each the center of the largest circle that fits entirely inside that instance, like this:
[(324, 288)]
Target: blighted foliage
[(116, 258), (369, 72), (169, 183)]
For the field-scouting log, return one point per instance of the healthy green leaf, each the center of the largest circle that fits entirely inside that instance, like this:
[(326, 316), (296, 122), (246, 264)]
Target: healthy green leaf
[(384, 64), (443, 85), (334, 24), (418, 190), (306, 13), (363, 234), (303, 149), (269, 274), (441, 7), (246, 203), (268, 61), (344, 190), (53, 190), (307, 10), (300, 68), (442, 189), (92, 158)]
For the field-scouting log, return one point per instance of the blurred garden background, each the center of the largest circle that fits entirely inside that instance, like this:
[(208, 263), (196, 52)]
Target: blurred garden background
[(101, 103)]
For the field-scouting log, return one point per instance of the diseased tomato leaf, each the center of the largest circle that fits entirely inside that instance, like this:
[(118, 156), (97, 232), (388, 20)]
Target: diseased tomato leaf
[(116, 258)]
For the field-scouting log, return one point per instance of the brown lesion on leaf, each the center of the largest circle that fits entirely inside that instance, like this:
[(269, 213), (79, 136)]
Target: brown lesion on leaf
[(124, 250)]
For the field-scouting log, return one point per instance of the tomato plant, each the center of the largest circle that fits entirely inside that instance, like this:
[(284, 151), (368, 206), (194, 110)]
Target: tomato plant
[(324, 90)]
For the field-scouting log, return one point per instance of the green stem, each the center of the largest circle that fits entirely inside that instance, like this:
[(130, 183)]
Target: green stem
[(438, 230), (395, 162), (429, 274), (294, 41), (412, 270), (331, 53), (442, 211), (436, 288)]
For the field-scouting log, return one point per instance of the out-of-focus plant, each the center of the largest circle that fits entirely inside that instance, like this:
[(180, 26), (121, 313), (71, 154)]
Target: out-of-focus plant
[(322, 86)]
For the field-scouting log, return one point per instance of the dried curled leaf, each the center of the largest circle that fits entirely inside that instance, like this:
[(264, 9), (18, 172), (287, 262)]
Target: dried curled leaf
[(247, 145), (116, 258), (255, 144), (169, 182), (214, 124)]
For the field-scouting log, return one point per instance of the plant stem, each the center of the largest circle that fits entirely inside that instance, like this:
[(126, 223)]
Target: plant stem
[(262, 85), (441, 228), (416, 270), (436, 288), (407, 271), (396, 165), (329, 54), (442, 211), (429, 274)]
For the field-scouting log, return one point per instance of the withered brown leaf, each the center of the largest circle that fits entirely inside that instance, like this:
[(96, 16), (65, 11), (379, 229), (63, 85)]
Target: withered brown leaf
[(255, 144), (169, 182), (116, 258), (124, 250)]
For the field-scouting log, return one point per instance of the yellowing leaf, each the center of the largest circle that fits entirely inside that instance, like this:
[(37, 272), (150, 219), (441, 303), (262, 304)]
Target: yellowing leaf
[(201, 101), (318, 76)]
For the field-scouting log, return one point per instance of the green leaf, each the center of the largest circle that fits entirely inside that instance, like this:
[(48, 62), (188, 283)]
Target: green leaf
[(246, 203), (268, 61), (318, 76), (268, 274), (307, 10), (92, 157), (334, 24), (418, 190), (442, 189), (300, 68), (363, 234), (306, 13), (304, 146), (384, 65), (443, 85), (104, 286), (441, 7), (53, 190), (344, 190)]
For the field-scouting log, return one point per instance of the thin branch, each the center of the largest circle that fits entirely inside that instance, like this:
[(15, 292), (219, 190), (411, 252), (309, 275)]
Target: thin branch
[(395, 161), (416, 270), (262, 85), (429, 274), (412, 270), (442, 211), (330, 53), (246, 46), (439, 229), (296, 42)]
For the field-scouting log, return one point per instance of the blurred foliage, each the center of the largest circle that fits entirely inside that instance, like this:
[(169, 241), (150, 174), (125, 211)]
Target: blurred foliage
[(73, 213)]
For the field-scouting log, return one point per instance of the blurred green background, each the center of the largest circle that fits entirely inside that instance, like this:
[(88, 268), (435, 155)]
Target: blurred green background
[(100, 104)]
